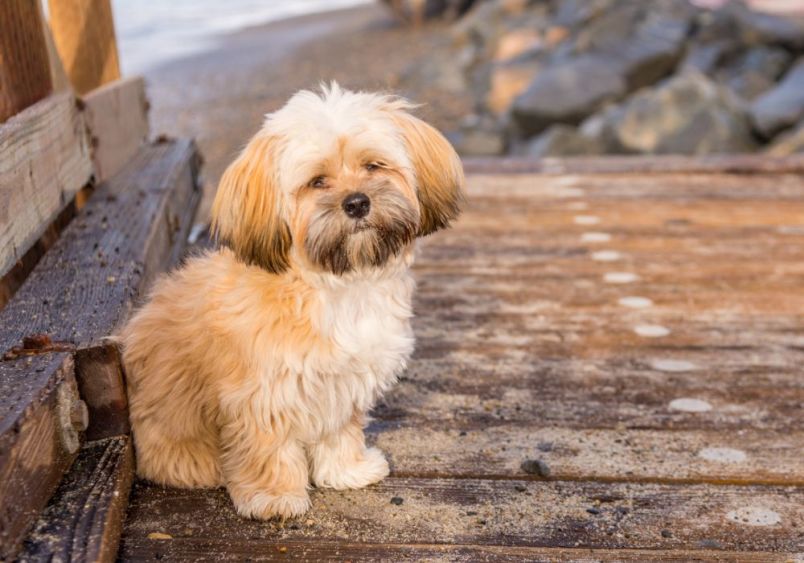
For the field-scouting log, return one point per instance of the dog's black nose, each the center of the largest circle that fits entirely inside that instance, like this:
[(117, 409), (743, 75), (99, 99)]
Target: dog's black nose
[(357, 205)]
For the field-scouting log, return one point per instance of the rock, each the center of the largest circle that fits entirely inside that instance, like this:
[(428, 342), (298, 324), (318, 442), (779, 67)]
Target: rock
[(788, 143), (397, 501), (416, 11), (754, 71), (516, 42), (479, 137), (783, 106), (562, 140), (535, 467), (566, 94), (687, 114), (574, 13), (764, 28), (507, 81)]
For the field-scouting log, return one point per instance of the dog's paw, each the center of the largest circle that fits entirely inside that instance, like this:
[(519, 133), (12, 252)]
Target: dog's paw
[(372, 468), (265, 506)]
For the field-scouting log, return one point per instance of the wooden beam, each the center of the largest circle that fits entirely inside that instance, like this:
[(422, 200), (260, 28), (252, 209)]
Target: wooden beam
[(41, 420), (133, 227), (24, 67), (84, 519), (117, 117), (85, 38), (44, 161)]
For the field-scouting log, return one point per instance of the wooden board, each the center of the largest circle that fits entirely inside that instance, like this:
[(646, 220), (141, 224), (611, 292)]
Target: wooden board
[(44, 161), (25, 69), (117, 118), (85, 38), (133, 228), (475, 512), (682, 440), (83, 521), (39, 437)]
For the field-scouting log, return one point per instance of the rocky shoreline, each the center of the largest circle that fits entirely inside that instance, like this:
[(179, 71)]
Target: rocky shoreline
[(591, 77)]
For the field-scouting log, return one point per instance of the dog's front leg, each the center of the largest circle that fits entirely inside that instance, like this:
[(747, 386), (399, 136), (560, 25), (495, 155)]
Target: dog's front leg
[(342, 461), (265, 471)]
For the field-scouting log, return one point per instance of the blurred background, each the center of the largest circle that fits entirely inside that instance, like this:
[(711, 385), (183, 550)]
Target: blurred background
[(507, 77)]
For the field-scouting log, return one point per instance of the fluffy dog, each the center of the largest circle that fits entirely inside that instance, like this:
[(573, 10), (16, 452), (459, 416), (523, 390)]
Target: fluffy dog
[(253, 366)]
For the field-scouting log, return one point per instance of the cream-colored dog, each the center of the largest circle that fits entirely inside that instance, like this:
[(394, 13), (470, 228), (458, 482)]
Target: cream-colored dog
[(253, 367)]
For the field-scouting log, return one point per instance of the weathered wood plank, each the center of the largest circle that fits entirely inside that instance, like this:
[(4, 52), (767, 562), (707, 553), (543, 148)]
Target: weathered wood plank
[(212, 549), (25, 71), (85, 38), (117, 118), (44, 161), (502, 513), (132, 228), (498, 452), (84, 519), (613, 164), (41, 420)]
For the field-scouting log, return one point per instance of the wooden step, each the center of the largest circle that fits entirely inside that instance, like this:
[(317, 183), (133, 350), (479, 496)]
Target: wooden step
[(133, 228)]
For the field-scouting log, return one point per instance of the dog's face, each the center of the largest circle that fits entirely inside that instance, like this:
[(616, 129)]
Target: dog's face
[(341, 182)]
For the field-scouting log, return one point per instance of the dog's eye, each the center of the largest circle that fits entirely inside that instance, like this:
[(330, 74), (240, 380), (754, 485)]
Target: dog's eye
[(372, 166), (318, 182)]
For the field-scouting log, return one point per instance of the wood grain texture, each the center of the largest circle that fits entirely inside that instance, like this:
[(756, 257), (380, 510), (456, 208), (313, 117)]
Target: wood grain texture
[(84, 519), (39, 437), (477, 512), (133, 228), (117, 118), (25, 70), (85, 38), (681, 444), (44, 161)]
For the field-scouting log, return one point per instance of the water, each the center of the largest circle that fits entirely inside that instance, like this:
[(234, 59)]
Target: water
[(151, 32)]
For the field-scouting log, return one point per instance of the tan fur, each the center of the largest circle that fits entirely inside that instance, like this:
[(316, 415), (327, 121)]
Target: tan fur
[(252, 367)]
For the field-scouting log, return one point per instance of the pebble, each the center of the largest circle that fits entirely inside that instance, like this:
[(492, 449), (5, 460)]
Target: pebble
[(635, 302), (667, 534), (606, 256), (397, 500), (535, 467), (594, 511), (520, 488), (690, 405), (620, 277)]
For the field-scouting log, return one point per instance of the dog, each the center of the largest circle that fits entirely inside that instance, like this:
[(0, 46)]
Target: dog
[(253, 366)]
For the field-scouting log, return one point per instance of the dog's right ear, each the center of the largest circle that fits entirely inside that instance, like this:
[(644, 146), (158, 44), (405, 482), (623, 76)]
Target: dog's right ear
[(246, 211)]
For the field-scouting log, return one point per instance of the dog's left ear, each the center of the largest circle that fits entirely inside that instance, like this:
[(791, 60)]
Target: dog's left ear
[(439, 173)]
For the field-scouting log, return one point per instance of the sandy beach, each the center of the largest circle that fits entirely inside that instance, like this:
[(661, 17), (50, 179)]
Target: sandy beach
[(219, 97)]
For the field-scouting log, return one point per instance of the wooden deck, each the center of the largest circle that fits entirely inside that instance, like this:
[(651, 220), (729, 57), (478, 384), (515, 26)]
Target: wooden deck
[(609, 366)]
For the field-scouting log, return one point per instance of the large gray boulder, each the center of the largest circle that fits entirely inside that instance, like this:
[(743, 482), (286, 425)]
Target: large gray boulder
[(783, 106), (563, 140), (567, 93), (688, 114)]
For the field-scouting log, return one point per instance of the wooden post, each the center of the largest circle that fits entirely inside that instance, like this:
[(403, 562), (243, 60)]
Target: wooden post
[(85, 38), (24, 67)]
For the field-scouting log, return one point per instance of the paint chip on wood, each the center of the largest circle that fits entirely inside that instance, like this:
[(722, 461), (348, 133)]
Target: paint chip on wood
[(606, 256), (651, 331), (754, 516), (635, 302), (620, 277), (578, 205), (676, 366), (586, 220), (723, 455), (690, 405), (595, 237)]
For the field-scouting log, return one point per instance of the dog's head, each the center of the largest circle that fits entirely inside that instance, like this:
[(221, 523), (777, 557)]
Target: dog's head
[(342, 180)]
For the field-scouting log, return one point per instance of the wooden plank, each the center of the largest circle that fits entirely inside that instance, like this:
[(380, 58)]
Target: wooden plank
[(84, 519), (44, 161), (25, 71), (584, 515), (498, 452), (85, 38), (645, 165), (41, 420), (117, 118), (132, 228), (211, 549)]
